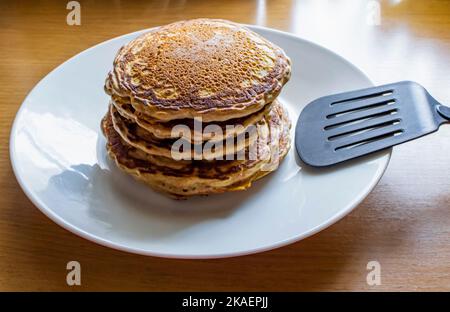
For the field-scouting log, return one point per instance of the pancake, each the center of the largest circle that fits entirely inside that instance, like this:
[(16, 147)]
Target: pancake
[(215, 69), (186, 178), (163, 130), (144, 140)]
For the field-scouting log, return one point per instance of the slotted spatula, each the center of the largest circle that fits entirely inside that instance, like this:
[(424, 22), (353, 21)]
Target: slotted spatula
[(340, 127)]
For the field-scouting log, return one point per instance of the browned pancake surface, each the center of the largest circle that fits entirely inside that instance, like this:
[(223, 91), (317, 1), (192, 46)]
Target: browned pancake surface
[(214, 68)]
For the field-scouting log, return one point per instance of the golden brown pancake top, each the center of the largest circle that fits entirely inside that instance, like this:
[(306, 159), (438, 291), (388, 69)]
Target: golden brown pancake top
[(211, 68)]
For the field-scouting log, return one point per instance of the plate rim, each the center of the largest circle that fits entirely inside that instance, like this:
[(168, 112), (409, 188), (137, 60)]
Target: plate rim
[(107, 243)]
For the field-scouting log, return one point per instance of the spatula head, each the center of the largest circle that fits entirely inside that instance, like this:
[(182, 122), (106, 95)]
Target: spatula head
[(340, 127)]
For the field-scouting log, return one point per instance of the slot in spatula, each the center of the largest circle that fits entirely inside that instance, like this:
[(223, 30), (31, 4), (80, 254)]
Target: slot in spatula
[(340, 127)]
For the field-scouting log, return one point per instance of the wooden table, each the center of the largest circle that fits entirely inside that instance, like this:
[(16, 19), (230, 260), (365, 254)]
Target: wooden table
[(404, 224)]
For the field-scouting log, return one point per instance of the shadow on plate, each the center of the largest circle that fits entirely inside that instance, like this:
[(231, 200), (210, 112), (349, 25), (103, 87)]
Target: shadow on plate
[(132, 209)]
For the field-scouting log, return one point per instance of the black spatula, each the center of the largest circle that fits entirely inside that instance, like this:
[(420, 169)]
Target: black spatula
[(344, 126)]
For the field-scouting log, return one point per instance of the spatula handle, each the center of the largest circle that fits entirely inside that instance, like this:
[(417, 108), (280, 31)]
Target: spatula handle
[(444, 111)]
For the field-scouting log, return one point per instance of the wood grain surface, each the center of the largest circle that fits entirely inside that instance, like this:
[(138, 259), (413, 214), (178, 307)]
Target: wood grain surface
[(404, 223)]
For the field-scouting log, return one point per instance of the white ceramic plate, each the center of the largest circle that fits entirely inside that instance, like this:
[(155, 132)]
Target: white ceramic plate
[(59, 158)]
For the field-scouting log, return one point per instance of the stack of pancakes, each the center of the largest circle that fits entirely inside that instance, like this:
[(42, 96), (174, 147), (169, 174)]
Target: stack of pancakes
[(193, 107)]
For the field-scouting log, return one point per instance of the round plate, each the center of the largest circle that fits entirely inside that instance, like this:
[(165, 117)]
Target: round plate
[(59, 158)]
